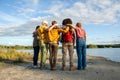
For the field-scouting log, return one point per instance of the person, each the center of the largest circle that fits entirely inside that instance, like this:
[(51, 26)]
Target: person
[(35, 48), (54, 38), (67, 44), (80, 46), (43, 43)]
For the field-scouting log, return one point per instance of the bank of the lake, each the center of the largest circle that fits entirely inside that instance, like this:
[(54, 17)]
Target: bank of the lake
[(98, 68), (108, 53)]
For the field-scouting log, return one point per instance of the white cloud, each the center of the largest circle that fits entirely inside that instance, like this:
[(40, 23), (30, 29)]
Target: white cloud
[(26, 12), (55, 9), (8, 18), (95, 11), (35, 2)]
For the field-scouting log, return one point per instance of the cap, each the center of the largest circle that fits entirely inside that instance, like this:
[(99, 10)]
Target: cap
[(45, 22)]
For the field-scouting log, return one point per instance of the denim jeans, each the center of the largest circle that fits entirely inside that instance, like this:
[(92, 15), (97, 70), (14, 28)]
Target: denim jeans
[(81, 52), (35, 57), (53, 49)]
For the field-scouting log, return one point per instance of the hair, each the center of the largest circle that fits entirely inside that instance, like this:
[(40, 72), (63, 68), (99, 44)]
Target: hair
[(37, 27), (54, 22), (79, 24), (66, 21)]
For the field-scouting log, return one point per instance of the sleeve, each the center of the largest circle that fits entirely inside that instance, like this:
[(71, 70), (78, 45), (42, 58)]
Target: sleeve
[(74, 37), (64, 30)]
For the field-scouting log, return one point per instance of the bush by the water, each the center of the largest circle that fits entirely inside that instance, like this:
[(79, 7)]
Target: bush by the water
[(13, 55)]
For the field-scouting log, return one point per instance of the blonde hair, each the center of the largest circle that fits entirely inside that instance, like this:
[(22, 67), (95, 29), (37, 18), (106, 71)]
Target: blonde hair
[(79, 24)]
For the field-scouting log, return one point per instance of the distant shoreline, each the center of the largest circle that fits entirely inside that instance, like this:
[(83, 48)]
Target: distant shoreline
[(60, 46)]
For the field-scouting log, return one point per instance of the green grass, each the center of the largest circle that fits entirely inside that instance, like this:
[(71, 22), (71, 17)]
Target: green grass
[(13, 55)]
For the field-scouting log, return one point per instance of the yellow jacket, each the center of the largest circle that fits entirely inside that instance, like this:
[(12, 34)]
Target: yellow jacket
[(54, 34), (43, 34)]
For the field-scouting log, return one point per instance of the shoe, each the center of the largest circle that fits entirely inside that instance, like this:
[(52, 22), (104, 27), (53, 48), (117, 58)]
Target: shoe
[(42, 67), (35, 66), (63, 68), (83, 68), (72, 68), (53, 69), (79, 68)]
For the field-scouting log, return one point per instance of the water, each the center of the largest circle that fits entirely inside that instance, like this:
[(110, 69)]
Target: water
[(109, 53)]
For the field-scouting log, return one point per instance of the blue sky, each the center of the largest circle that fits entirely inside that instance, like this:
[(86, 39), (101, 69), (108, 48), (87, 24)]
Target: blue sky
[(100, 19)]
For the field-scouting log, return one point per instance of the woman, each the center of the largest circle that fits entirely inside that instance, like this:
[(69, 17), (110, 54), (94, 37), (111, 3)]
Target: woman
[(35, 47), (80, 45)]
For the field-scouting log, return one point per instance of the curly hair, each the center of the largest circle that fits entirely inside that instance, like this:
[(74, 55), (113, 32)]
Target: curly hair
[(66, 21)]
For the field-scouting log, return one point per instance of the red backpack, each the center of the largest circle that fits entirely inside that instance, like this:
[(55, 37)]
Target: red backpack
[(67, 37)]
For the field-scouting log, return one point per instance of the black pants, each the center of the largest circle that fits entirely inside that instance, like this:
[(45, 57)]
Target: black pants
[(35, 57)]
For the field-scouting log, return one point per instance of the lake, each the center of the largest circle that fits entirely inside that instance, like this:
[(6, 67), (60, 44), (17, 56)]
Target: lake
[(109, 53)]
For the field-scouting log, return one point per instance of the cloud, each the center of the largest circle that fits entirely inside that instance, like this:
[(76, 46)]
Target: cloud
[(23, 29), (35, 2), (93, 11), (26, 12), (8, 18)]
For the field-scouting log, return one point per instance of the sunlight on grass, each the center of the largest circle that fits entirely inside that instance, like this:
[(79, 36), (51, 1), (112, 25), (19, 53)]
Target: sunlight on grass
[(13, 55)]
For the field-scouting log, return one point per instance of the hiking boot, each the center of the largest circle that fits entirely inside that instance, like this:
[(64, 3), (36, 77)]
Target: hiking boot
[(53, 68), (72, 68), (63, 68)]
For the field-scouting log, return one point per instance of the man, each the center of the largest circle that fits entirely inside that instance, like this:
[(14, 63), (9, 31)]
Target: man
[(54, 38), (43, 42)]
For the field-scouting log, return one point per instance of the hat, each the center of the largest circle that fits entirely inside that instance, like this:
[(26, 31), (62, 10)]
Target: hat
[(45, 22)]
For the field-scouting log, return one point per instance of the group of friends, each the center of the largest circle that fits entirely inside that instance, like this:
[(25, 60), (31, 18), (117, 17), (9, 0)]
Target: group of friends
[(47, 38)]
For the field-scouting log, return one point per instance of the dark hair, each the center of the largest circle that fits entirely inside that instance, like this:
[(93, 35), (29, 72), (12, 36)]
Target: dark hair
[(54, 22), (66, 21), (37, 27)]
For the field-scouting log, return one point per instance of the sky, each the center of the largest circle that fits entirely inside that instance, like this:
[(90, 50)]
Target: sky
[(100, 19)]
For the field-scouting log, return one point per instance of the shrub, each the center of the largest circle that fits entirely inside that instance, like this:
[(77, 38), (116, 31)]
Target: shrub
[(13, 55)]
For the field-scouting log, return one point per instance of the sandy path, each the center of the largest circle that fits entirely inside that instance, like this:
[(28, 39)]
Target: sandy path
[(97, 69)]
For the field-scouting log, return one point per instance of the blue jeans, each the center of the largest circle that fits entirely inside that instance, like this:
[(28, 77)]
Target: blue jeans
[(35, 57), (81, 52)]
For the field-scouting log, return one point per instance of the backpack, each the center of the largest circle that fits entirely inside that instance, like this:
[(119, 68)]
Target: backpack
[(67, 37)]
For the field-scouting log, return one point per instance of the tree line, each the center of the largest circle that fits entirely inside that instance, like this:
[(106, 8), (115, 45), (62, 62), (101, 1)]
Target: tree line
[(88, 46)]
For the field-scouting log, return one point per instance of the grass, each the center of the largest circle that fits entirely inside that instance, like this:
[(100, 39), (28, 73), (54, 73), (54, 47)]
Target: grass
[(12, 55)]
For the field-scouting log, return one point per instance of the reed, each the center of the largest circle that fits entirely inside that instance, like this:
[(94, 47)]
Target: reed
[(13, 55)]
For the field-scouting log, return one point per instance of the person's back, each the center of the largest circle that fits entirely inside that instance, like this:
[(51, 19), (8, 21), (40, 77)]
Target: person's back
[(35, 40), (35, 47), (81, 46), (54, 35), (67, 44), (54, 38), (43, 43), (42, 33)]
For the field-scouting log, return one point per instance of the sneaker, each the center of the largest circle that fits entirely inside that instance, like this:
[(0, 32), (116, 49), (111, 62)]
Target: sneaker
[(35, 66)]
